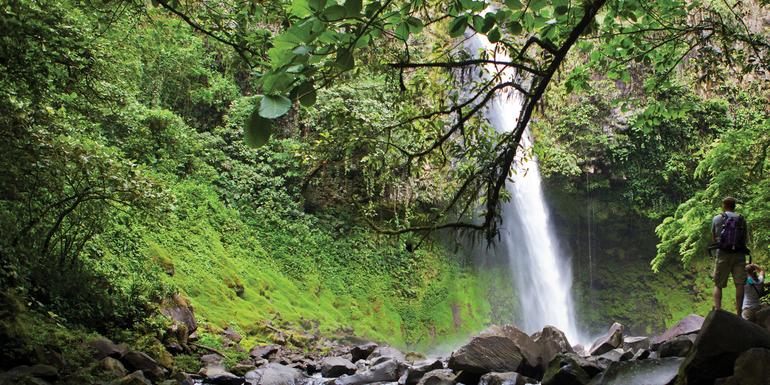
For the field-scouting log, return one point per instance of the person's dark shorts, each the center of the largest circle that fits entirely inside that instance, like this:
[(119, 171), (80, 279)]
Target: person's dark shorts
[(730, 263)]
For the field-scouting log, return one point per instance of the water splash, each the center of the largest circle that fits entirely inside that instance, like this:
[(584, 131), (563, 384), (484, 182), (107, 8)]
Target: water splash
[(542, 274)]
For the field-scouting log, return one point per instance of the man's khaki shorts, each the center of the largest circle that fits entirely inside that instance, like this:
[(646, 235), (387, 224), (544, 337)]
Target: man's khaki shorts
[(727, 263)]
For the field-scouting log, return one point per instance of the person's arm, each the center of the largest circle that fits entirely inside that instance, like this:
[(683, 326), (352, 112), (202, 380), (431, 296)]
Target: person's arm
[(714, 230)]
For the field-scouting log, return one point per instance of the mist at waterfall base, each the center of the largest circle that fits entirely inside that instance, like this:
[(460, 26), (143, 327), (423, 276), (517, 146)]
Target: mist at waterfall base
[(542, 275)]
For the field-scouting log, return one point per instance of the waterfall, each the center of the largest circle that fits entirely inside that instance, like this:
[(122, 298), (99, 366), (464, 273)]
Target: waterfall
[(541, 273)]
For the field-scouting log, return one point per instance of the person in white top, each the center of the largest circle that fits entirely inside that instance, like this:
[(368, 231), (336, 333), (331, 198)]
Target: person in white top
[(754, 291)]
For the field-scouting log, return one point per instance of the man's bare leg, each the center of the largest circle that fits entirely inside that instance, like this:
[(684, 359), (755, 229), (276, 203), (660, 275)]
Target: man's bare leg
[(738, 298), (717, 298)]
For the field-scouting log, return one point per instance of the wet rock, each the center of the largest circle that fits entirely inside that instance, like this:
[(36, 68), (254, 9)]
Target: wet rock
[(232, 335), (641, 354), (565, 370), (438, 377), (591, 365), (140, 361), (648, 372), (580, 350), (184, 378), (362, 352), (336, 366), (677, 347), (616, 355), (135, 378), (387, 352), (551, 341), (389, 370), (104, 347), (113, 367), (723, 337), (264, 351), (636, 343), (494, 350), (275, 374), (687, 325), (415, 372), (507, 378), (29, 374), (612, 340)]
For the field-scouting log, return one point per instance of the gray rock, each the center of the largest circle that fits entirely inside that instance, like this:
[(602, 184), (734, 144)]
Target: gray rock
[(415, 372), (180, 313), (215, 373), (636, 343), (641, 354), (275, 374), (362, 352), (113, 367), (438, 377), (677, 347), (551, 341), (507, 378), (135, 378), (387, 371), (612, 340), (494, 350), (613, 355), (647, 372), (140, 361), (386, 352), (264, 351), (232, 335), (687, 325), (565, 370), (104, 347), (29, 374), (241, 368), (752, 368), (336, 366), (723, 337)]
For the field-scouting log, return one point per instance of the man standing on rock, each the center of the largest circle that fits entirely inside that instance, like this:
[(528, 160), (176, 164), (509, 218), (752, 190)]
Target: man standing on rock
[(729, 232)]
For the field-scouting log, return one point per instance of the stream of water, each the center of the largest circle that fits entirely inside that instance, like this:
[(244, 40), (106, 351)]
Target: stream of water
[(541, 273)]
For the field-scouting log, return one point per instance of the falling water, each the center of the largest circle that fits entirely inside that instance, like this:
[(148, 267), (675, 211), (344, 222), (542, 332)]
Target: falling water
[(541, 273)]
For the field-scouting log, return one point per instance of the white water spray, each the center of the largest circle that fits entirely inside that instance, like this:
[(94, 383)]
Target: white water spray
[(542, 275)]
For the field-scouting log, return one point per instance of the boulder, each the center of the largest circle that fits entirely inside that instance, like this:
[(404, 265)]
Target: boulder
[(336, 366), (551, 341), (215, 373), (495, 350), (415, 372), (751, 368), (641, 354), (612, 340), (387, 352), (362, 352), (722, 338), (636, 343), (275, 374), (241, 368), (677, 347), (140, 361), (438, 377), (616, 355), (104, 347), (181, 314), (135, 378), (687, 325), (232, 335), (264, 351), (389, 370), (113, 367), (507, 378), (647, 372), (565, 370), (30, 374)]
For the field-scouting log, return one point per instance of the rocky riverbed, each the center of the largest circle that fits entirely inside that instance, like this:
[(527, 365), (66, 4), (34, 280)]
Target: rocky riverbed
[(722, 348)]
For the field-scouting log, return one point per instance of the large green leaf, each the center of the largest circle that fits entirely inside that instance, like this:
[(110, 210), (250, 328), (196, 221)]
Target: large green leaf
[(458, 25), (353, 7), (335, 12), (258, 129), (274, 106), (305, 93), (344, 59)]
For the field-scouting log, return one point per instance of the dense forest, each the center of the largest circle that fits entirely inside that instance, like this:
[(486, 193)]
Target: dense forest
[(310, 170)]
